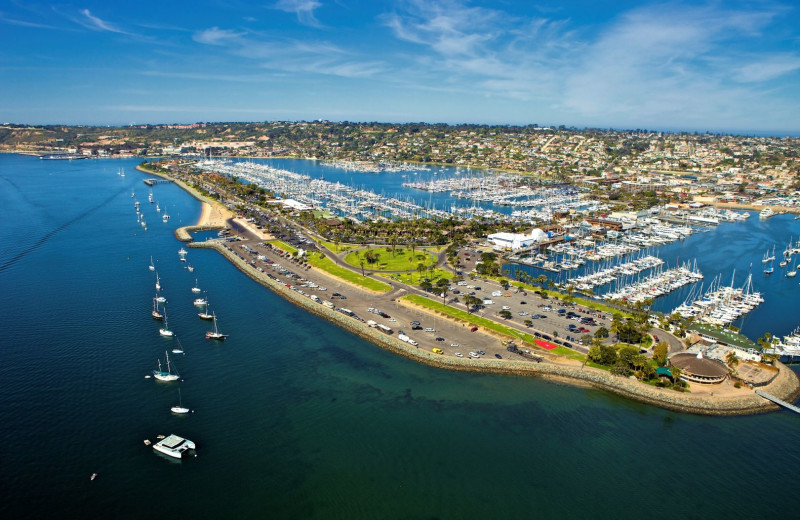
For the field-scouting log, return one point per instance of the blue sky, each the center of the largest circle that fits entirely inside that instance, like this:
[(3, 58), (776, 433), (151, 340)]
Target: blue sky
[(721, 66)]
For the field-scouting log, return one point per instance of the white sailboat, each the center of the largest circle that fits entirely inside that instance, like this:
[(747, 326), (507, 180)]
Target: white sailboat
[(152, 266), (190, 267), (158, 283), (180, 408), (164, 331), (216, 334), (195, 289), (792, 273), (167, 375)]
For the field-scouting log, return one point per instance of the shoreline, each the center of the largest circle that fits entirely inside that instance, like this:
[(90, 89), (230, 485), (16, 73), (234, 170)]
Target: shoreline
[(786, 386)]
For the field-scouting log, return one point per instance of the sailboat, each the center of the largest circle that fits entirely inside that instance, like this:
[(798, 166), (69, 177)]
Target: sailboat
[(152, 266), (156, 315), (158, 283), (167, 375), (200, 302), (792, 273), (180, 408), (195, 289), (158, 208), (165, 217), (205, 315), (164, 331), (216, 334), (190, 267), (769, 270)]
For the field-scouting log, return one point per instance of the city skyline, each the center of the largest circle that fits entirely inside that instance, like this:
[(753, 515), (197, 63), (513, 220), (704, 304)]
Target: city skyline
[(725, 67)]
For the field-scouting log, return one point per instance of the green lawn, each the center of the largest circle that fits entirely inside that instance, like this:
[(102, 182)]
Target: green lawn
[(415, 278), (402, 260), (336, 248), (431, 303), (322, 262), (283, 245)]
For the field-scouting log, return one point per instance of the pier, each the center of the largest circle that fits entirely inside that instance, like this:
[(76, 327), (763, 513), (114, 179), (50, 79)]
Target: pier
[(152, 182), (778, 401)]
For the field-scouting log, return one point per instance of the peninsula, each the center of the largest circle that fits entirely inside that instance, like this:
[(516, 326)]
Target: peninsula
[(276, 246)]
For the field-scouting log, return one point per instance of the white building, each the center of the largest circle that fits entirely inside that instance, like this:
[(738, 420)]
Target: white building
[(515, 241)]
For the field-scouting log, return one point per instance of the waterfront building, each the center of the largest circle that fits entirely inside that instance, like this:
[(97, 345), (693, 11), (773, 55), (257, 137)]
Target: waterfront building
[(696, 368), (516, 241)]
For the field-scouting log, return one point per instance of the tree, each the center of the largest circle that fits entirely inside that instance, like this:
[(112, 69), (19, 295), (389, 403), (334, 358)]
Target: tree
[(441, 286), (542, 280), (505, 314), (528, 323), (602, 332), (732, 359), (660, 353), (361, 261), (426, 285)]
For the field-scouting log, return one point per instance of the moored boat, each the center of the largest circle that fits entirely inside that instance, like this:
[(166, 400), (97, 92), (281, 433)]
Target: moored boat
[(165, 375), (215, 334), (174, 446)]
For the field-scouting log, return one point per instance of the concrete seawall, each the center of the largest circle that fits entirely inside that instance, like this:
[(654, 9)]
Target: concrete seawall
[(786, 386)]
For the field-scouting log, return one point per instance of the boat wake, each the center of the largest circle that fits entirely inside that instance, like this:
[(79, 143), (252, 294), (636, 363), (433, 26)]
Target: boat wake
[(47, 236)]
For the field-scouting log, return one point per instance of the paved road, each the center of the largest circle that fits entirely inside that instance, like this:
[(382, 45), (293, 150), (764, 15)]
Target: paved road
[(359, 301)]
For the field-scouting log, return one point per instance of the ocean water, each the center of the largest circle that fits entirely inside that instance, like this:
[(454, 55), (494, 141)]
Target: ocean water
[(296, 418)]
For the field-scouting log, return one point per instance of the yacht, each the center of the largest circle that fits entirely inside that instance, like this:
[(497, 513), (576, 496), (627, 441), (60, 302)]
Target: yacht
[(174, 446), (766, 213)]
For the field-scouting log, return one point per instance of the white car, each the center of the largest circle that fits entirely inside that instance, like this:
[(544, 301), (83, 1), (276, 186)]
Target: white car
[(506, 308), (454, 345), (459, 354), (473, 355), (429, 329), (392, 320), (497, 293)]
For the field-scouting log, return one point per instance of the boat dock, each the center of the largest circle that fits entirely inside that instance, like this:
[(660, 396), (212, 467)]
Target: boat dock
[(152, 182), (778, 401)]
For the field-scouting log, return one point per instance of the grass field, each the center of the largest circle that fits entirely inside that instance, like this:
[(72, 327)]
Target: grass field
[(322, 262), (415, 278), (336, 248), (283, 245), (489, 324), (402, 260)]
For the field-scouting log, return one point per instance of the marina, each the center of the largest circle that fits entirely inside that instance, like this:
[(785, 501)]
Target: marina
[(325, 399)]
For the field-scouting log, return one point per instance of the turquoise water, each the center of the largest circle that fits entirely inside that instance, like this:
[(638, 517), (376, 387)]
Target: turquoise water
[(296, 418)]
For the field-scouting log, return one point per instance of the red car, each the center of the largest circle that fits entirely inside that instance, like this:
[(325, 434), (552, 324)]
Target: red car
[(473, 329)]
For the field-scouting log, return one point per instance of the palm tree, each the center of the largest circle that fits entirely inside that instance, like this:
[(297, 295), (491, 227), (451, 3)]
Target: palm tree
[(732, 359)]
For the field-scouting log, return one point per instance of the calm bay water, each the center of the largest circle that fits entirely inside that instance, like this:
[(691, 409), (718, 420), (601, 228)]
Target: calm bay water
[(295, 417)]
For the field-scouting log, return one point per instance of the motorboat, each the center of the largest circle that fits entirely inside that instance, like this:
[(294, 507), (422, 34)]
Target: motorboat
[(174, 446)]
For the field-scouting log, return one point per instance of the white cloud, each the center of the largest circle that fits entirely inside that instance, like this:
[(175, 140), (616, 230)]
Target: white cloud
[(97, 24), (768, 68), (217, 36), (304, 9)]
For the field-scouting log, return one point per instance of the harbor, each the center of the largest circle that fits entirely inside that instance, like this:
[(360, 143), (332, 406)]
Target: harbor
[(324, 398)]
